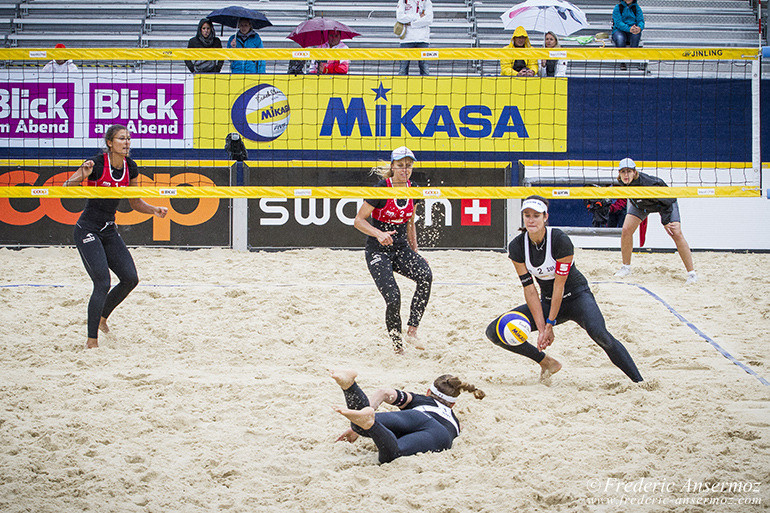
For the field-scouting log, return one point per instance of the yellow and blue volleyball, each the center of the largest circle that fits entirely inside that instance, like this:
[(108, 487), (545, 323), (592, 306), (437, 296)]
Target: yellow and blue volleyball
[(262, 113), (513, 328)]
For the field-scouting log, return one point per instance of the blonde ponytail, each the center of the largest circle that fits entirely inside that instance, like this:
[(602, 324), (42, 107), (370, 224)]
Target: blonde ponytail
[(382, 169)]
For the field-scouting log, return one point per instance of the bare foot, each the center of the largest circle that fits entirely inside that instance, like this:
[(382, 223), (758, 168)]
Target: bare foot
[(398, 343), (103, 325), (548, 367), (413, 340), (361, 418), (92, 343), (344, 377)]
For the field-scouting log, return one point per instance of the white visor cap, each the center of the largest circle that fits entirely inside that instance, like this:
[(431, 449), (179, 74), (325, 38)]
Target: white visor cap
[(626, 162), (400, 153), (534, 204)]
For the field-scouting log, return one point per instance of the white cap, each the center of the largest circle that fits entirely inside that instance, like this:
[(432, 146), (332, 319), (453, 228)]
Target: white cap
[(534, 204), (626, 162), (401, 152)]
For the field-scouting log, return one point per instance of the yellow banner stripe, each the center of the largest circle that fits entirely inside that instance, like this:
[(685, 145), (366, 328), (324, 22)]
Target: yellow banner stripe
[(593, 164), (196, 163), (178, 54), (377, 192)]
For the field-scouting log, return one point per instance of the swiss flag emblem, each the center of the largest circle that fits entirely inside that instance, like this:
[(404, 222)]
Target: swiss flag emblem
[(476, 212)]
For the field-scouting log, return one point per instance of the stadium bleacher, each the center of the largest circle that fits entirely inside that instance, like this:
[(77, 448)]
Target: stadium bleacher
[(457, 23)]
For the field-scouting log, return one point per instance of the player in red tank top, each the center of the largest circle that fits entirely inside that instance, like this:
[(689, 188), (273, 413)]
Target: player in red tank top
[(100, 245), (392, 247)]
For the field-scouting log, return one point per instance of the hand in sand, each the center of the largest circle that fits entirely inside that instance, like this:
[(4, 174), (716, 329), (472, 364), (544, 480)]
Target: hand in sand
[(349, 436)]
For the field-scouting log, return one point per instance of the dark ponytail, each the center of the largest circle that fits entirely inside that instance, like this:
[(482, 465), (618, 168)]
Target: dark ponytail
[(452, 386)]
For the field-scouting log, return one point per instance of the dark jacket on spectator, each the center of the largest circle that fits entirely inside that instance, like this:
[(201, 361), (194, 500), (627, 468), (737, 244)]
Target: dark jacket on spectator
[(200, 42)]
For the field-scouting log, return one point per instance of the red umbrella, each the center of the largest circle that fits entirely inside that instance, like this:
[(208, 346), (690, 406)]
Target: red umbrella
[(311, 32)]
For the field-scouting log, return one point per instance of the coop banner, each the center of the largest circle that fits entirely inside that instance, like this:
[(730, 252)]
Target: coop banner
[(360, 113), (41, 110), (49, 221)]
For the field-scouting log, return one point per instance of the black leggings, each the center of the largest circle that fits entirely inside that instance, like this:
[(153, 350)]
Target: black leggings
[(102, 250), (399, 433), (406, 262), (583, 310)]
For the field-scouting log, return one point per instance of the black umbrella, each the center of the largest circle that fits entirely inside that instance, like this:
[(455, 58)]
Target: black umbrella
[(230, 15)]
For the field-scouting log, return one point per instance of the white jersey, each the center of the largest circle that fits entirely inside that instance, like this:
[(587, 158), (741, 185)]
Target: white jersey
[(546, 270), (443, 411)]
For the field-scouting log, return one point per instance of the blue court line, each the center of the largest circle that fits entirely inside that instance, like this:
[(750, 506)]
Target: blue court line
[(690, 325), (679, 316)]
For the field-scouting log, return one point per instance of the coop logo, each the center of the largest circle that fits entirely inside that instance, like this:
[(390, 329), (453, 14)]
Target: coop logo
[(262, 113), (702, 53), (56, 211), (43, 110)]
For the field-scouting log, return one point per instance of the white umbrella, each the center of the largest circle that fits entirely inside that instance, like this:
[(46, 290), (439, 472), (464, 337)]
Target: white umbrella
[(559, 16)]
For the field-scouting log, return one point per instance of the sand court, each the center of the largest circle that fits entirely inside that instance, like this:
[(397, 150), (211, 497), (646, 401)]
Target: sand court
[(212, 391)]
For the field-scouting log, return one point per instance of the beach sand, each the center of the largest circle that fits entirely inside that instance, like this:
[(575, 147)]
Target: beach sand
[(212, 391)]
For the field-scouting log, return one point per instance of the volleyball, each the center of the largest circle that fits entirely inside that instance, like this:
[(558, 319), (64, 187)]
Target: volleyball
[(513, 328), (262, 113)]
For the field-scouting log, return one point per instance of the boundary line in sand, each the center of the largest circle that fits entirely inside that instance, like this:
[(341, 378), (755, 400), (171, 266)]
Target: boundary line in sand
[(671, 309), (697, 331)]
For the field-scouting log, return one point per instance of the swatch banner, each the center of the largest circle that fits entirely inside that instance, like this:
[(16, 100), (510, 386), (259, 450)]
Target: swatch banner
[(360, 113), (324, 222), (75, 110)]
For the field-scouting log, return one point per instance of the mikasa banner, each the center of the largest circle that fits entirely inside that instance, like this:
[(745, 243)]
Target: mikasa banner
[(360, 113)]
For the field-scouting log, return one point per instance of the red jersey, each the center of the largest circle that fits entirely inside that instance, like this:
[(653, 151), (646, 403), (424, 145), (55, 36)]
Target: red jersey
[(107, 180), (395, 211)]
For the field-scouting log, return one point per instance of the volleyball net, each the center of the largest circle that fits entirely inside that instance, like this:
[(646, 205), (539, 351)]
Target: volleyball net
[(690, 116)]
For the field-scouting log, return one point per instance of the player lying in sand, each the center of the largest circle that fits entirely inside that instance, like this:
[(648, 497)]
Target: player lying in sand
[(424, 423)]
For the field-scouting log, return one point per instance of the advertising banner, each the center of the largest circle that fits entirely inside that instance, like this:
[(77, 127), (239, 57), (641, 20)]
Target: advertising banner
[(37, 110), (324, 222), (41, 110), (49, 221), (364, 113)]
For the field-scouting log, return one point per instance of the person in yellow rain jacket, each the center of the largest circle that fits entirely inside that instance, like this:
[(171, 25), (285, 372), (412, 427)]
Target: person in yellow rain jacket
[(519, 67)]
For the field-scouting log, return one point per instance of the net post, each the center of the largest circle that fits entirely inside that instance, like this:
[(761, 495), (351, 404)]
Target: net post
[(756, 146), (240, 209)]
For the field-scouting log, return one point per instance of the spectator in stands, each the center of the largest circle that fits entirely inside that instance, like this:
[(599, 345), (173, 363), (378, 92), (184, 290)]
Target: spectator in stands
[(519, 67), (552, 67), (60, 65), (627, 24), (333, 40), (246, 37), (417, 17), (205, 38)]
